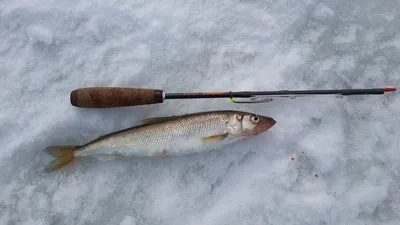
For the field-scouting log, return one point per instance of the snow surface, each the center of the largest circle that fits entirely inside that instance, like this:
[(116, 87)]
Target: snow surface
[(48, 48)]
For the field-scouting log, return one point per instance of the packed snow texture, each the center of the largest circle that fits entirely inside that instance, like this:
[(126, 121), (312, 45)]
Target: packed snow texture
[(346, 166)]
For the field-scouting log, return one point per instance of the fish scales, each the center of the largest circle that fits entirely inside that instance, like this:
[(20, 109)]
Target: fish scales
[(174, 135)]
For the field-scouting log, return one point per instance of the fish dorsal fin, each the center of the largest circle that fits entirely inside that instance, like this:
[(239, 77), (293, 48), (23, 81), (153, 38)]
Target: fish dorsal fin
[(214, 138), (158, 119)]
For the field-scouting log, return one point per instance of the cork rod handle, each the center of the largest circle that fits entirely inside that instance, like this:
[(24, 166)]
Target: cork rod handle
[(109, 97)]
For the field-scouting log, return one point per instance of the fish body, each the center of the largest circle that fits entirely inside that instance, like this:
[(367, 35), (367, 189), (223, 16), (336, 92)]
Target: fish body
[(173, 136)]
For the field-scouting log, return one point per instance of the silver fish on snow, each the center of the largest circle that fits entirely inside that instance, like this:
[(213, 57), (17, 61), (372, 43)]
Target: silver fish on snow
[(168, 136)]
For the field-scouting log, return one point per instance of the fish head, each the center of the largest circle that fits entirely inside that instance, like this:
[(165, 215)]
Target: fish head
[(249, 124)]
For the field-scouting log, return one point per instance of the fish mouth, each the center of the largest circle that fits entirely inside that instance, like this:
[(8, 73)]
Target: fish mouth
[(263, 125)]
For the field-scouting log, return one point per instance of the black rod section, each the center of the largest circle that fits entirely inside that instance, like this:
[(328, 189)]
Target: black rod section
[(247, 94)]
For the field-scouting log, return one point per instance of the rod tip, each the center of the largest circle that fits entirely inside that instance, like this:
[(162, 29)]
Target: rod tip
[(389, 89)]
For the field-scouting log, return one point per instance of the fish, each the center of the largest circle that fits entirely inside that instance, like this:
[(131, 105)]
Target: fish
[(174, 135)]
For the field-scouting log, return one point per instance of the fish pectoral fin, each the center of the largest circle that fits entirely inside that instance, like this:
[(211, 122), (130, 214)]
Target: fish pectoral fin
[(157, 119), (214, 138)]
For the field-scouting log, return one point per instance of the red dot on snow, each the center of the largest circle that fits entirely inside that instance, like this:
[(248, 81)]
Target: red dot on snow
[(292, 158), (316, 175)]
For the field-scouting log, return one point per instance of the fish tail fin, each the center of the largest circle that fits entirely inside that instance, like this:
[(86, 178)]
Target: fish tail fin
[(65, 156)]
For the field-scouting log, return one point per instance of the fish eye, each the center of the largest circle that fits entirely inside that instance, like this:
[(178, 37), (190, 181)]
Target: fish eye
[(255, 119)]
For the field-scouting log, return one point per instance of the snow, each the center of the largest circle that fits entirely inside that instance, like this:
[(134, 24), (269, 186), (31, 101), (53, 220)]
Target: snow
[(48, 48), (37, 33)]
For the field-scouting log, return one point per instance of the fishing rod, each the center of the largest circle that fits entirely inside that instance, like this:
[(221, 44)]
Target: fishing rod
[(109, 97)]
